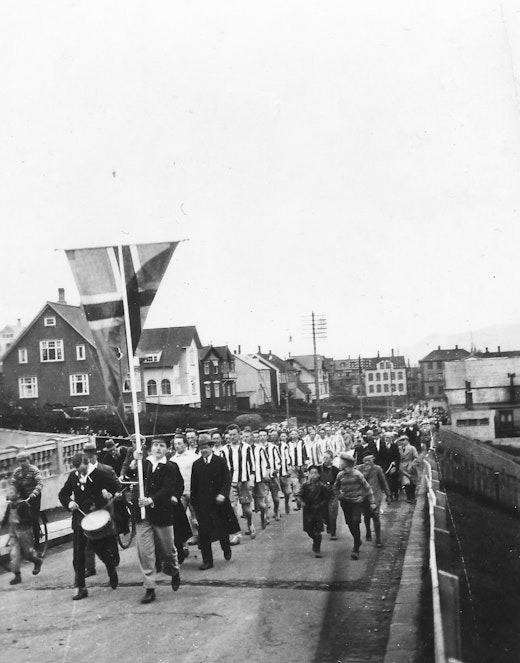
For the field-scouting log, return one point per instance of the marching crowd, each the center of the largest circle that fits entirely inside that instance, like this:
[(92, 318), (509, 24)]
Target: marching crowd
[(198, 487)]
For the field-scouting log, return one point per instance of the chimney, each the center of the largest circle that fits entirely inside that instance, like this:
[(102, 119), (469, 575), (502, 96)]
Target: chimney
[(392, 352), (487, 351), (456, 347), (61, 296), (438, 347), (378, 354), (239, 349), (19, 322), (259, 350), (499, 348)]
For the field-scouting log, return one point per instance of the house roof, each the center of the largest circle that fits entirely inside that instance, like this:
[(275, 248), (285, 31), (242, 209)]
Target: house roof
[(73, 315), (221, 351), (252, 362), (301, 386), (169, 341), (398, 360), (276, 361), (307, 361), (446, 355)]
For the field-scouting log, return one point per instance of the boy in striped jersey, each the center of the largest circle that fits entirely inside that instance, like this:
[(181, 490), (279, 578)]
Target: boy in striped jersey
[(240, 463)]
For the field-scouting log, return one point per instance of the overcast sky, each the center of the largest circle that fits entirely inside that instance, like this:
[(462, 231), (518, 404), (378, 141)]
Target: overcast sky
[(361, 160)]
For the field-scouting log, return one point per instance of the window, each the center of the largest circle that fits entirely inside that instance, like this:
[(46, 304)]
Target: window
[(79, 384), (392, 375), (400, 375), (400, 387), (370, 388), (430, 365), (166, 387), (385, 376), (28, 387), (151, 388), (386, 388), (127, 387), (233, 389), (51, 350), (216, 389), (80, 352), (439, 364), (49, 322), (22, 355), (431, 390), (206, 368), (152, 358), (370, 377), (378, 388), (207, 389), (215, 366), (378, 376), (440, 390)]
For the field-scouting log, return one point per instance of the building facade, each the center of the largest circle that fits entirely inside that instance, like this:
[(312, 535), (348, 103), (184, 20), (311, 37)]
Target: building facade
[(432, 369), (253, 382), (218, 378), (386, 376)]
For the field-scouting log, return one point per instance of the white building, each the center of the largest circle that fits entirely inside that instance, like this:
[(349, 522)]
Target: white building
[(253, 382)]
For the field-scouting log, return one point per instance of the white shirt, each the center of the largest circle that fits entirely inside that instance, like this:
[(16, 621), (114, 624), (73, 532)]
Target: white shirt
[(155, 462)]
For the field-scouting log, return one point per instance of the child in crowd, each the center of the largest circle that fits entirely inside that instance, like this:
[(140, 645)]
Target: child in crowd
[(314, 498), (18, 517)]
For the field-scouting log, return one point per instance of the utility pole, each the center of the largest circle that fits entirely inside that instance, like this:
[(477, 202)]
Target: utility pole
[(318, 328), (360, 374)]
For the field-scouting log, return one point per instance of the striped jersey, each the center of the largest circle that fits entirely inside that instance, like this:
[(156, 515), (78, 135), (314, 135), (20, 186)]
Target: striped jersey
[(240, 461)]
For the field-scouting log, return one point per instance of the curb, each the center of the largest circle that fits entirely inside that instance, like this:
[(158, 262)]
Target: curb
[(404, 641)]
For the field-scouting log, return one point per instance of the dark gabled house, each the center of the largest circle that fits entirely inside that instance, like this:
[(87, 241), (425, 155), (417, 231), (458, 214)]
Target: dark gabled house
[(52, 362), (218, 378)]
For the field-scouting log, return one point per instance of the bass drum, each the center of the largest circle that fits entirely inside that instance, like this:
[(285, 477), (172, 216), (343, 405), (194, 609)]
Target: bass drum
[(97, 525)]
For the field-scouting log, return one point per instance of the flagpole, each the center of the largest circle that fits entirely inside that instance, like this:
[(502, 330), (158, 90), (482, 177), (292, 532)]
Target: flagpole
[(130, 354)]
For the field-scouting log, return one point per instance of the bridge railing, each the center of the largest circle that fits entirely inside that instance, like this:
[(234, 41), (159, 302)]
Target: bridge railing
[(445, 586)]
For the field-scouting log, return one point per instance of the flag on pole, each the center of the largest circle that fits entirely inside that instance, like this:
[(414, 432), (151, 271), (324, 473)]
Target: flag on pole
[(98, 278)]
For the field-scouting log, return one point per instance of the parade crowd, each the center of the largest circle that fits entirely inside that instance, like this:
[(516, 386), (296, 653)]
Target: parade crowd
[(200, 486)]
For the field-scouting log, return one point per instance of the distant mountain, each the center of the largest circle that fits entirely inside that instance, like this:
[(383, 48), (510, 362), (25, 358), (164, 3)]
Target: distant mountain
[(506, 336)]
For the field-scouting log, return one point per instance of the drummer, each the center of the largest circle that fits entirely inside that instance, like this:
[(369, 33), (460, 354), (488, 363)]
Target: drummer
[(87, 489)]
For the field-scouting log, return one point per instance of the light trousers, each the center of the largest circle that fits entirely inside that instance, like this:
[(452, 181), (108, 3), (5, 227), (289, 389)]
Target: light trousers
[(149, 536)]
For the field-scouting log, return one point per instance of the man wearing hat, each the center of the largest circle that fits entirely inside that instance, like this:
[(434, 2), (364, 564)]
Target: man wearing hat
[(111, 456), (352, 488), (27, 482), (210, 486), (375, 476)]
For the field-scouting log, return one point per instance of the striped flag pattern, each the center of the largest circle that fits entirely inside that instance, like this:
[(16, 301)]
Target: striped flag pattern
[(97, 275)]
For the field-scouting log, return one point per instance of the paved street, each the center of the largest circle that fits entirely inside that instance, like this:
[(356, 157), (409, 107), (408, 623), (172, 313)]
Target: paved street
[(274, 599)]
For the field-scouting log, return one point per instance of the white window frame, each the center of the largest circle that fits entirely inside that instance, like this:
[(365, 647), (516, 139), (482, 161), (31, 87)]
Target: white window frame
[(77, 379), (163, 392), (81, 352), (216, 389), (22, 356), (49, 321), (206, 368), (55, 345), (207, 390), (148, 384), (28, 389)]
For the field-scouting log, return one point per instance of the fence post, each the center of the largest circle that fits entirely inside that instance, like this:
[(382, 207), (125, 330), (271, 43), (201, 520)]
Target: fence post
[(442, 547), (449, 597), (439, 513)]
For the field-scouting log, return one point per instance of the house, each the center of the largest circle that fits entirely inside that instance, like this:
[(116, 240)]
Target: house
[(9, 334), (431, 370), (53, 361), (386, 376), (253, 382), (483, 392), (304, 378), (278, 369), (346, 376), (169, 362), (218, 378)]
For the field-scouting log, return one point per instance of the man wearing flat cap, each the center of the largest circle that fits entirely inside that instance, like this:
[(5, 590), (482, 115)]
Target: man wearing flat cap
[(27, 482)]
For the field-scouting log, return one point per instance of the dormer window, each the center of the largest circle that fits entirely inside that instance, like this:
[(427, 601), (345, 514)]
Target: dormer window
[(152, 358), (49, 321)]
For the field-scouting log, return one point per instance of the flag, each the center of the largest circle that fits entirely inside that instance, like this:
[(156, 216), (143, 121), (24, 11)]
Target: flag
[(97, 275)]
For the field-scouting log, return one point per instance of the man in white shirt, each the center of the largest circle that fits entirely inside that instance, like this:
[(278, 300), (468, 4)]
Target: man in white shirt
[(184, 458)]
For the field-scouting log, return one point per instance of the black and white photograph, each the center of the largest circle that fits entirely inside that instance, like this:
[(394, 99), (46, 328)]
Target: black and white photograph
[(259, 338)]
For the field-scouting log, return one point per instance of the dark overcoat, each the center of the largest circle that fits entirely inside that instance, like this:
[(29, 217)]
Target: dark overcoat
[(88, 495), (207, 481)]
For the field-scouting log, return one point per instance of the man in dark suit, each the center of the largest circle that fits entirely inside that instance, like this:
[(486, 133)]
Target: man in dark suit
[(87, 489), (210, 486), (162, 481), (380, 451)]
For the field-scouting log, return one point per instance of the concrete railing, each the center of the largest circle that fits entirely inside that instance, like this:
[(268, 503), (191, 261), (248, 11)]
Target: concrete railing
[(444, 585), (480, 469)]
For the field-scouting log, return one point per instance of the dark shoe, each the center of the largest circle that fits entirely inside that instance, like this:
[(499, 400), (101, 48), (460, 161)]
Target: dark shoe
[(227, 554), (37, 566), (16, 580), (193, 541), (317, 554), (333, 537), (355, 554), (176, 581), (90, 572), (379, 544), (114, 580), (205, 566), (82, 593), (149, 596), (368, 537)]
